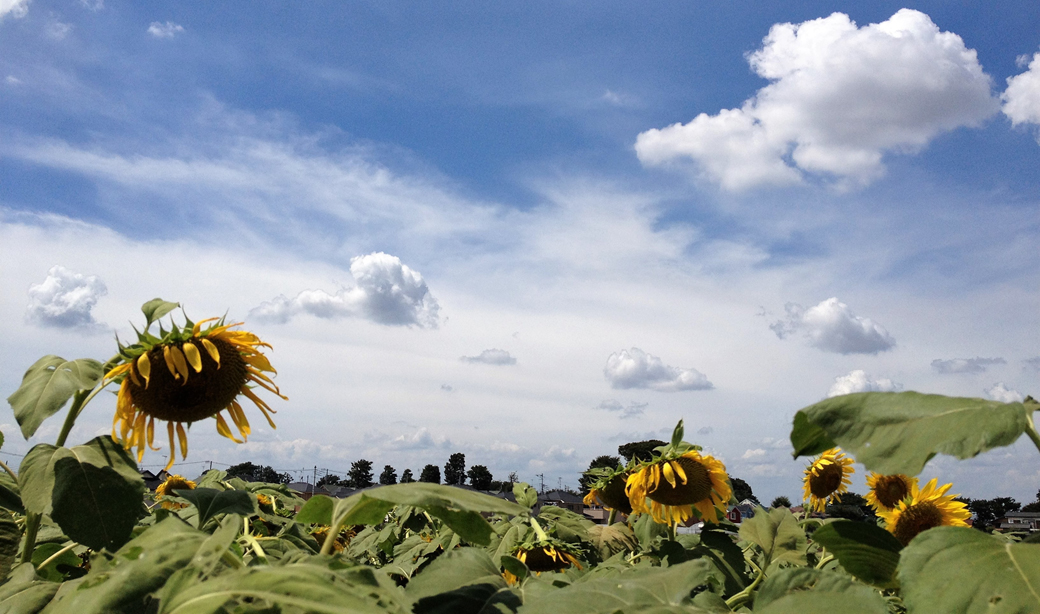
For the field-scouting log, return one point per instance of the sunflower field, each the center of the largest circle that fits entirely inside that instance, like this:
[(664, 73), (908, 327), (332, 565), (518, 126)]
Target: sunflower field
[(80, 533)]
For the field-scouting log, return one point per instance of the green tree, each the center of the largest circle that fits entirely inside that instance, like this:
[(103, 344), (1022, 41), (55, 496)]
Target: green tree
[(360, 474), (780, 501), (609, 462), (431, 474), (742, 491), (258, 473), (479, 477), (852, 507), (455, 469), (639, 450), (329, 479), (406, 477), (988, 512), (1034, 506), (389, 475)]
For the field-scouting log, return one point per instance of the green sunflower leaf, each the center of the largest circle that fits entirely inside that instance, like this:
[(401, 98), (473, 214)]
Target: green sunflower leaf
[(155, 309), (25, 592), (210, 502), (48, 385), (898, 432), (93, 504), (777, 533), (803, 590), (865, 550), (10, 536), (454, 570), (955, 569)]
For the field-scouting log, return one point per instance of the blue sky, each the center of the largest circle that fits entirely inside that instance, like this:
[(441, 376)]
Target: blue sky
[(531, 233)]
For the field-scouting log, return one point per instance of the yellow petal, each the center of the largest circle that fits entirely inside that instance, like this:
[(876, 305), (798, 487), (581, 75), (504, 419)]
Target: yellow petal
[(679, 471), (669, 474), (173, 449), (223, 429), (184, 440), (212, 350), (144, 367), (198, 326), (192, 354), (169, 362), (260, 362), (180, 363)]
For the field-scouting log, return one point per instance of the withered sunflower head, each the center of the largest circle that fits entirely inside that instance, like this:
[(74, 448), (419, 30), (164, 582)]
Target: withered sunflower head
[(609, 489), (170, 484), (188, 374)]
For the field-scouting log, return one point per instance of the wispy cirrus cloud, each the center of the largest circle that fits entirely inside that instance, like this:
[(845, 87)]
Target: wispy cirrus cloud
[(965, 365)]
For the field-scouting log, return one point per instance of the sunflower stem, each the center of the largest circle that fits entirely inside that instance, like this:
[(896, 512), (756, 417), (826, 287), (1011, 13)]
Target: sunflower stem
[(824, 560), (610, 519), (538, 530), (55, 556), (9, 472), (745, 594), (671, 531), (32, 526)]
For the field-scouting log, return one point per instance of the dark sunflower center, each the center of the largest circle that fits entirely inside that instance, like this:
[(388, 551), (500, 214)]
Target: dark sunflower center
[(826, 482), (203, 395), (540, 560), (915, 519), (697, 486), (613, 495), (891, 489)]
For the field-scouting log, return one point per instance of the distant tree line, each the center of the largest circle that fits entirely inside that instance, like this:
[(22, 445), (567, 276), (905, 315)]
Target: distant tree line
[(361, 475)]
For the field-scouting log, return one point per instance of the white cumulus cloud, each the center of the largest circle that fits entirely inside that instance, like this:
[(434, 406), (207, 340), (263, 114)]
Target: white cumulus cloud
[(14, 8), (840, 97), (755, 453), (64, 299), (860, 381), (832, 327), (491, 357), (387, 292), (165, 30), (1022, 96), (634, 368), (965, 365), (1000, 392)]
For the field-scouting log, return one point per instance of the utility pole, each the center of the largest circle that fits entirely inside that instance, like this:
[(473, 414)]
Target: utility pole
[(541, 476), (314, 481)]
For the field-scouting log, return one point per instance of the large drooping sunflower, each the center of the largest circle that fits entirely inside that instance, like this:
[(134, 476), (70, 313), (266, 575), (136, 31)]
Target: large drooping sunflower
[(826, 478), (885, 491), (677, 483), (609, 489), (923, 509), (550, 555), (189, 374), (165, 490)]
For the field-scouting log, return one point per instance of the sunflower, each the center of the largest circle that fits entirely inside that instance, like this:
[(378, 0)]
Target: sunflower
[(170, 484), (674, 486), (187, 375), (923, 509), (609, 490), (265, 503), (826, 478), (888, 490), (550, 555)]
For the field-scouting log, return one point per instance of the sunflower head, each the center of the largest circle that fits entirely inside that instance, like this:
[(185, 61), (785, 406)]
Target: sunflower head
[(320, 534), (265, 503), (609, 489), (186, 374), (885, 491), (923, 509), (677, 481), (165, 490), (826, 478)]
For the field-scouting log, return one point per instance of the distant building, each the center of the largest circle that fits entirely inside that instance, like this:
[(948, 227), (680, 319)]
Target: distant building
[(152, 480), (1021, 521)]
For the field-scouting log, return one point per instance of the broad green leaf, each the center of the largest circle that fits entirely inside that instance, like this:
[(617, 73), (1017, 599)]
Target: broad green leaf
[(647, 531), (777, 533), (898, 432), (783, 583), (25, 592), (470, 526), (143, 565), (826, 603), (10, 494), (94, 506), (155, 309), (525, 495), (865, 550), (516, 567), (455, 569), (48, 384), (297, 587), (955, 569), (807, 439), (632, 591), (10, 536), (608, 540), (36, 473), (720, 549), (317, 510), (210, 502)]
